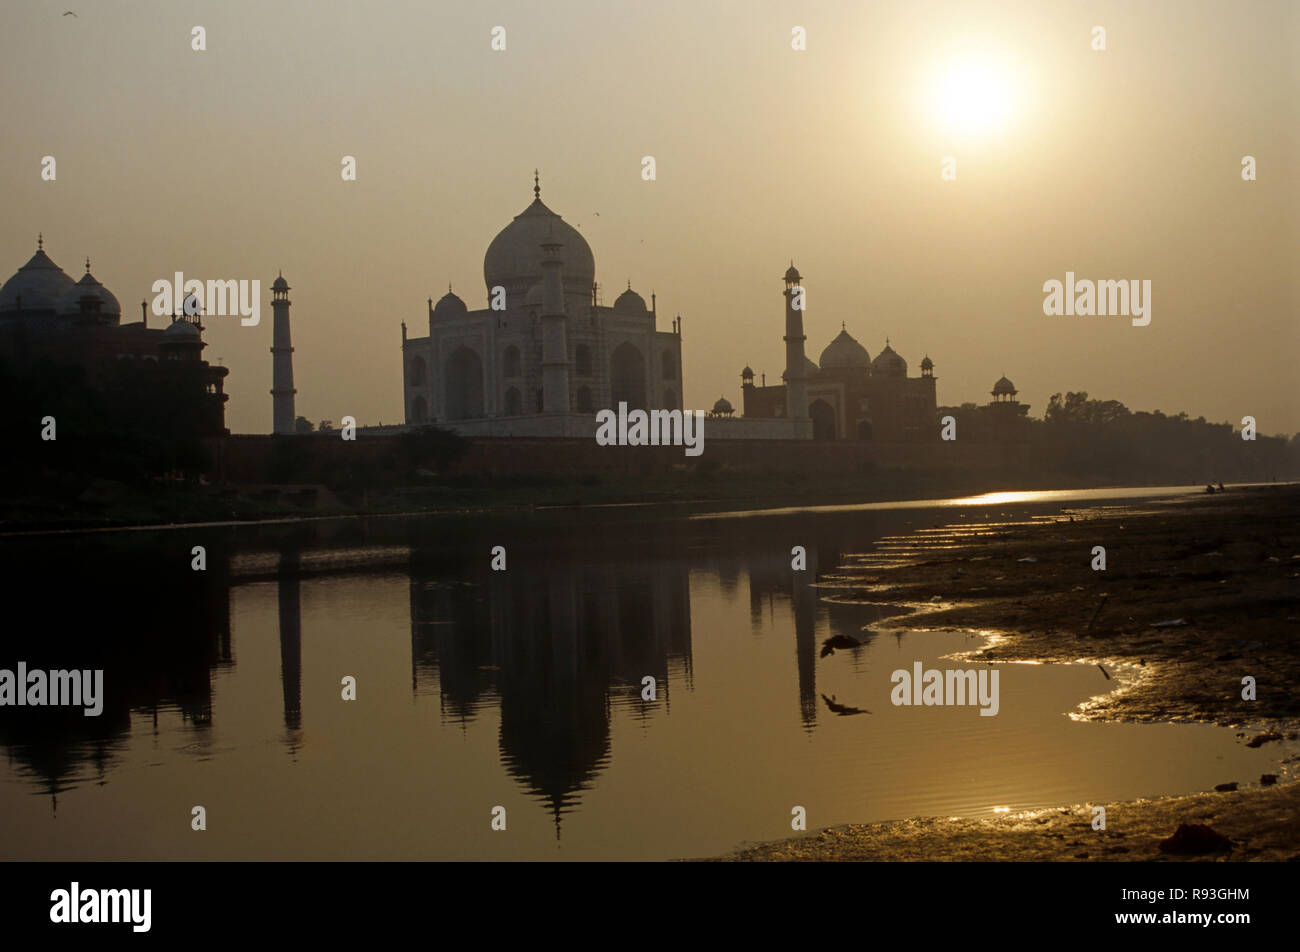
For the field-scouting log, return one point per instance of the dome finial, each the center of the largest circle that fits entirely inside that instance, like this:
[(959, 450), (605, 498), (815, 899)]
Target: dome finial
[(448, 287), (537, 186), (629, 284), (842, 327), (40, 241), (87, 264)]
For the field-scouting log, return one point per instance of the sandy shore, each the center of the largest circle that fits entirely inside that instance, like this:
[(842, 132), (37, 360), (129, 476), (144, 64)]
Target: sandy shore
[(1224, 569)]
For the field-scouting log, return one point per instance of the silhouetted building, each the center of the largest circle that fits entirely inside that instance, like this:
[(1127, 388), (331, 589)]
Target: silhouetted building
[(847, 395), (1004, 419), (45, 314), (544, 354)]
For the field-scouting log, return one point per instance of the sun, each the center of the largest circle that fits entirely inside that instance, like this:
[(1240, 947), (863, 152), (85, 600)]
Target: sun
[(972, 95)]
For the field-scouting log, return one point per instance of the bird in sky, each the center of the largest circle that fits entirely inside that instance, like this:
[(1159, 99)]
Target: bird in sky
[(69, 13)]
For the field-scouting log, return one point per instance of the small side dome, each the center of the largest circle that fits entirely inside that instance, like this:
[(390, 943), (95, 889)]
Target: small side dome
[(1003, 386), (927, 363), (280, 284), (181, 332), (69, 305), (844, 352), (723, 407), (888, 363), (748, 372), (448, 306), (792, 274), (631, 303)]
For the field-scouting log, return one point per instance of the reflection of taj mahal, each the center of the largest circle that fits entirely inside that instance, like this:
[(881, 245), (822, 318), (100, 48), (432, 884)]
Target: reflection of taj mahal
[(544, 354)]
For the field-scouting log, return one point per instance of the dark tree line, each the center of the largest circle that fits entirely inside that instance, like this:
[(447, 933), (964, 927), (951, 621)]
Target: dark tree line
[(1104, 440)]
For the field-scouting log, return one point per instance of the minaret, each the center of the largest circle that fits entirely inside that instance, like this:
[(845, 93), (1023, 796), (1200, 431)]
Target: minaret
[(555, 347), (282, 390), (796, 387)]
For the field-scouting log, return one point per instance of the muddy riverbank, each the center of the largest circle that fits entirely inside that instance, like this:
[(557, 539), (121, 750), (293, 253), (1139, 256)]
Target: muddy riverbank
[(1196, 594)]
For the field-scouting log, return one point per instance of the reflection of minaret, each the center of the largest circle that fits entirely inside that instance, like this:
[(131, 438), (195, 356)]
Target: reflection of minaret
[(282, 390), (803, 599), (290, 638)]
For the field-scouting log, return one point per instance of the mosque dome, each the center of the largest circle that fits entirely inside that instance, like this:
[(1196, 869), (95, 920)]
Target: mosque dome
[(181, 331), (629, 302), (38, 285), (844, 351), (449, 306), (514, 258), (888, 363), (792, 274), (747, 372), (69, 304), (927, 363), (280, 284), (723, 406), (1003, 386)]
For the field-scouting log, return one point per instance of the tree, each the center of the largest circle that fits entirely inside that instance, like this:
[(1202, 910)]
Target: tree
[(302, 425)]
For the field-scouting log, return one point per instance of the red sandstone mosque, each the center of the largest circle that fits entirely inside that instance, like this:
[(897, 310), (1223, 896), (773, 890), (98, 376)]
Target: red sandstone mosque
[(46, 314)]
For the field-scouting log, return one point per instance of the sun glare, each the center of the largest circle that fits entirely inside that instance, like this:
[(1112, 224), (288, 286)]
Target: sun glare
[(973, 95)]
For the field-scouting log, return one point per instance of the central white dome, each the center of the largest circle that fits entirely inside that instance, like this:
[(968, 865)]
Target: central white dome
[(514, 258)]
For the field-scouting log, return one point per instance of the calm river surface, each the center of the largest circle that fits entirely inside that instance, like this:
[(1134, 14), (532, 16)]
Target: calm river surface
[(522, 689)]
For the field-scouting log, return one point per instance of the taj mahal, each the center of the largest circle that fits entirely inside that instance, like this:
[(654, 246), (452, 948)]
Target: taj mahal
[(544, 354)]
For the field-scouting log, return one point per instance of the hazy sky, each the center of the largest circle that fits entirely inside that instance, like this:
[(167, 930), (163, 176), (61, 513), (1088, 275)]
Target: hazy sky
[(1115, 165)]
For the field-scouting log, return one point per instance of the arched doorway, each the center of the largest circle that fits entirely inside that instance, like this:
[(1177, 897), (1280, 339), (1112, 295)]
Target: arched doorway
[(514, 402), (417, 371), (627, 377), (464, 385), (823, 417), (584, 400), (864, 430), (419, 410)]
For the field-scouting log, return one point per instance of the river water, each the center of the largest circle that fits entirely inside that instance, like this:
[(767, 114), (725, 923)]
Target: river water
[(523, 689)]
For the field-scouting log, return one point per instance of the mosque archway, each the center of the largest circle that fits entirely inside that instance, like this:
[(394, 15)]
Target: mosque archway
[(584, 403), (627, 376), (464, 385), (417, 371), (823, 417), (514, 402), (419, 410)]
